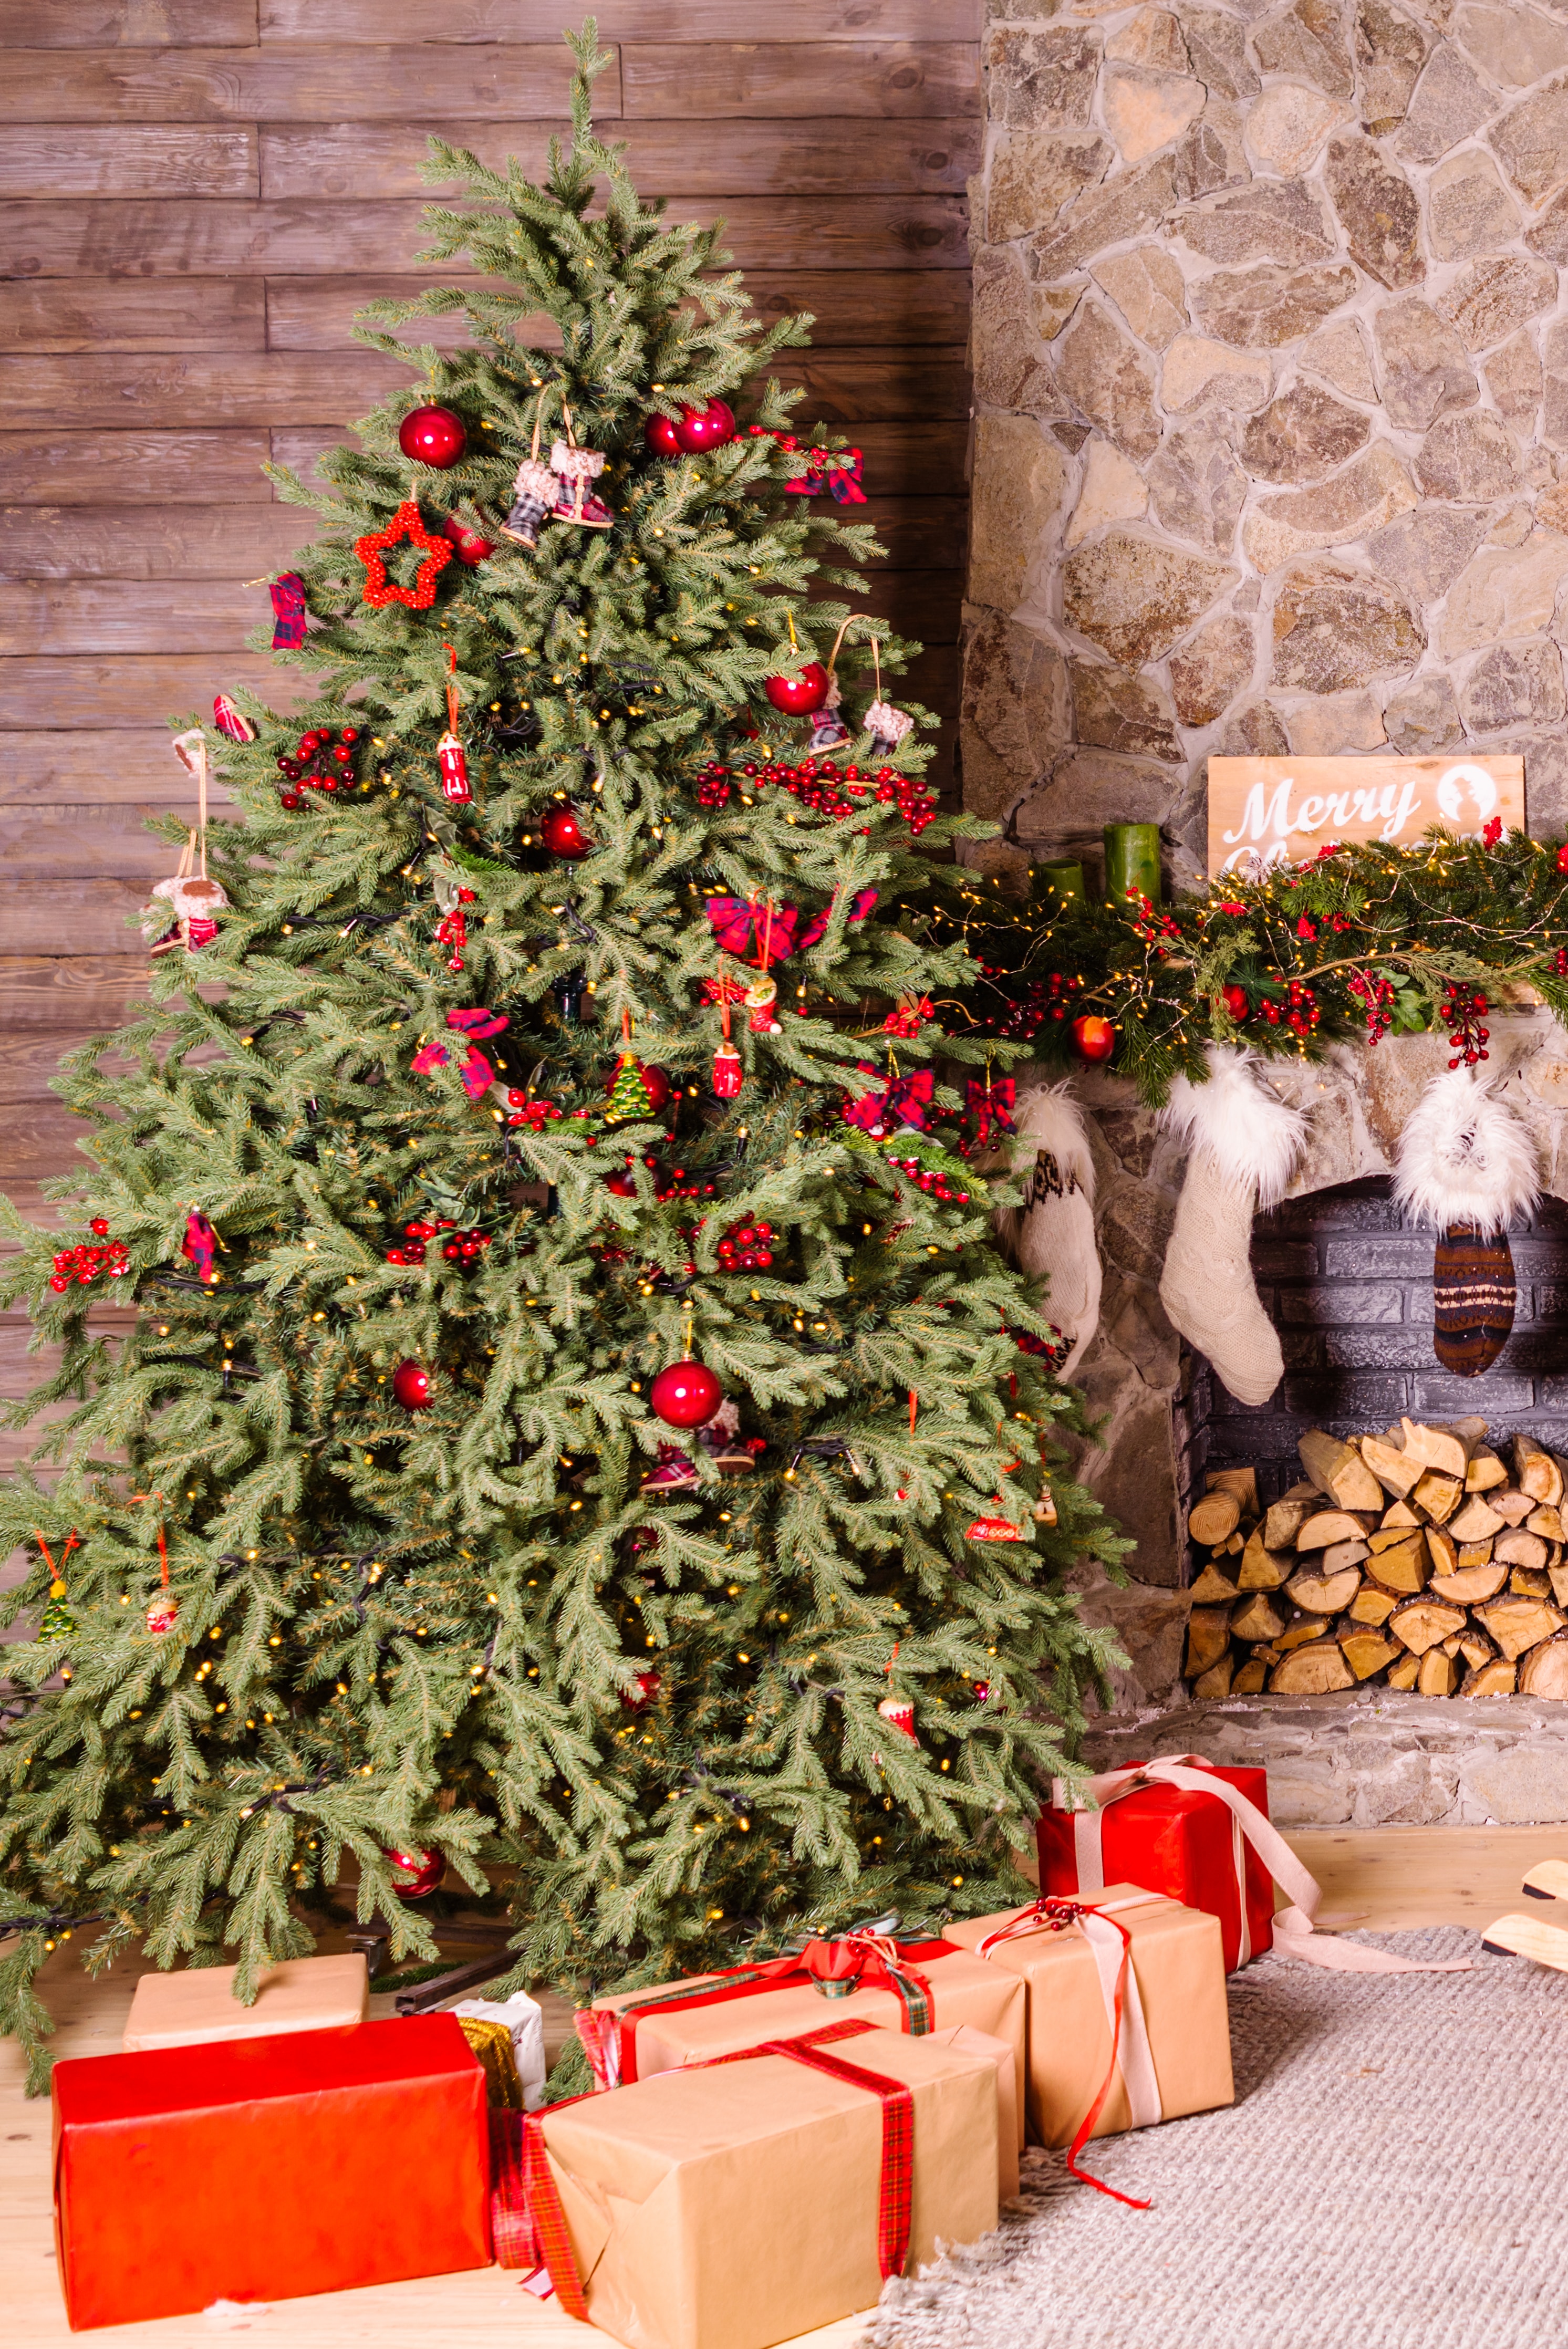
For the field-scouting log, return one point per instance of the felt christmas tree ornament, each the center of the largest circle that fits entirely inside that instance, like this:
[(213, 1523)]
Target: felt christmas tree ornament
[(1242, 1142), (1465, 1167), (1051, 1236)]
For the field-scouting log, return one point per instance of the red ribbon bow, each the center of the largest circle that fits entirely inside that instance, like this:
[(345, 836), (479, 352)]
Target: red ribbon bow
[(906, 1101), (989, 1106)]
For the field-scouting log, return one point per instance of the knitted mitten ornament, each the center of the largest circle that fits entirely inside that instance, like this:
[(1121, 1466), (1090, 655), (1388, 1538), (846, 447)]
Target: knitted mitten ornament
[(1466, 1165), (1242, 1142), (1051, 1235)]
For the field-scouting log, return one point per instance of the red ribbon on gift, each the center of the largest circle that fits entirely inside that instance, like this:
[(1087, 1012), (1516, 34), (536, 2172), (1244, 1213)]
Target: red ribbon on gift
[(529, 2223)]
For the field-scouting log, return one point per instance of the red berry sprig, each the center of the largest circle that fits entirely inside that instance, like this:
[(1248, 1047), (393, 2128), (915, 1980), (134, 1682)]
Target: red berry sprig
[(746, 1247), (1376, 993), (324, 761), (1463, 1009), (929, 1179), (85, 1263), (1300, 1009)]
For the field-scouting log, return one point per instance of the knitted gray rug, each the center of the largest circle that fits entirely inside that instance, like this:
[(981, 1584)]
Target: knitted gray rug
[(1391, 2175)]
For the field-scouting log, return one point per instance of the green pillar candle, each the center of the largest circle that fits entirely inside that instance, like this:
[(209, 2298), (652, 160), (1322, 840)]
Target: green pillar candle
[(1064, 881), (1132, 862)]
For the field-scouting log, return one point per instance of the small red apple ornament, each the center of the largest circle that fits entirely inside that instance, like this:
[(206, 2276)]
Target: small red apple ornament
[(564, 836), (1094, 1038), (412, 1385), (660, 434), (686, 1394), (423, 1870), (797, 697), (433, 436), (700, 429)]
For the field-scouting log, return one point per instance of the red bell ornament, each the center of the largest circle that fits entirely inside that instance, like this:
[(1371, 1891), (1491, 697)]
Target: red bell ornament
[(564, 836), (1094, 1040), (433, 436), (797, 697), (686, 1394), (702, 428), (422, 1870), (412, 1385), (661, 436)]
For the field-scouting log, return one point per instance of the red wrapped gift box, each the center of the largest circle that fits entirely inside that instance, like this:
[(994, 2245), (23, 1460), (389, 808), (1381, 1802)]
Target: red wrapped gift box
[(1170, 1837), (260, 2168)]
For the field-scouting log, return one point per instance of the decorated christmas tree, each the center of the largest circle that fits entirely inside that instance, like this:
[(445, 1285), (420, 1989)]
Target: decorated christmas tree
[(578, 1431)]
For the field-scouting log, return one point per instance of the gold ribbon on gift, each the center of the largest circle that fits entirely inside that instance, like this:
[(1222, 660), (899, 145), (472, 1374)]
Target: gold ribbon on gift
[(492, 2042)]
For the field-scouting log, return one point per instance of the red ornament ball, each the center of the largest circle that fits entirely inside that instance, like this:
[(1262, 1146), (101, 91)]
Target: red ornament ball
[(797, 697), (1235, 1001), (564, 836), (648, 1687), (661, 436), (423, 1869), (686, 1394), (433, 435), (412, 1385), (471, 549), (1094, 1038), (705, 428), (657, 1080)]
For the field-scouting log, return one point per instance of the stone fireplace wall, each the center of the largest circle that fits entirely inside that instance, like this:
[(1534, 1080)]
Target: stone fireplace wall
[(1270, 357)]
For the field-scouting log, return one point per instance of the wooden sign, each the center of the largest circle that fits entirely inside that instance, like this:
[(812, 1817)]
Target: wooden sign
[(1267, 812)]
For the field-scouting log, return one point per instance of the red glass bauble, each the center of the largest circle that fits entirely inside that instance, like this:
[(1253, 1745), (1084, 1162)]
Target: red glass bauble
[(687, 1394), (797, 697), (564, 836), (412, 1385), (1093, 1039), (1235, 1001), (470, 548), (705, 428), (659, 432), (422, 1870), (654, 1079), (434, 436), (647, 1688)]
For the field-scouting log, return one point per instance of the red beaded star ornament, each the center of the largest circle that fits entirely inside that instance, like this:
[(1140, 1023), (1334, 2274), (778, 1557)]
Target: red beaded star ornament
[(371, 551)]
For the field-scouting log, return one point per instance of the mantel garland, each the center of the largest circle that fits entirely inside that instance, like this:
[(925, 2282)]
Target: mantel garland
[(1365, 942)]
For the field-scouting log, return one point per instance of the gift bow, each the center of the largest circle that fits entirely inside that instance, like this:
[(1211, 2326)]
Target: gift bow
[(529, 2222), (905, 1103), (476, 1072), (1194, 1776), (739, 923), (991, 1107)]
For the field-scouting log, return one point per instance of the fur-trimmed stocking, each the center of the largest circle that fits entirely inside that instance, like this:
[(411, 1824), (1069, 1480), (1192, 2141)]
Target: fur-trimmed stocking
[(1242, 1142), (1051, 1235), (1465, 1166)]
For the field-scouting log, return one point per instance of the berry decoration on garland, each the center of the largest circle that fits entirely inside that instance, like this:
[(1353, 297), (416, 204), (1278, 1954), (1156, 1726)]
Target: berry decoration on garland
[(289, 617), (1463, 1009), (231, 722), (702, 428), (563, 835), (1094, 1038), (422, 1870), (746, 1247), (451, 757), (433, 436), (372, 549), (412, 1385), (85, 1264), (323, 760)]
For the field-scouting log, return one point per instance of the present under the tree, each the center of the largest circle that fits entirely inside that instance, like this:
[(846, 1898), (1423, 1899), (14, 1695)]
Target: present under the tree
[(750, 2199), (1180, 1826), (260, 2169), (197, 2005), (1127, 2018), (913, 1987)]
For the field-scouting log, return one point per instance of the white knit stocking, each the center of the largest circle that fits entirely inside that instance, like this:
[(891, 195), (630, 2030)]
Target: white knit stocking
[(1051, 1235)]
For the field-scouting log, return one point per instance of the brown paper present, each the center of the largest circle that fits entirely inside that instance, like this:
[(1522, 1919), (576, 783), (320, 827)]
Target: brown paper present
[(1009, 2095), (1175, 2052), (739, 2204), (185, 2010), (709, 2014)]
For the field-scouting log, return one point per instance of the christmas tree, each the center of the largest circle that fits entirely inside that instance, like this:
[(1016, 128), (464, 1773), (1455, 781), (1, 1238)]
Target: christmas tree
[(577, 1430)]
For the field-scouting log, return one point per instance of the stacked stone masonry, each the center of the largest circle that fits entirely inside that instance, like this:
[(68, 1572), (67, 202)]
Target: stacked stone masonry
[(1270, 355)]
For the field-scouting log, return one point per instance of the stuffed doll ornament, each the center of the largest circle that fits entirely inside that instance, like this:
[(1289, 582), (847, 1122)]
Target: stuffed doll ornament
[(1242, 1142), (182, 908), (1051, 1235), (1465, 1166)]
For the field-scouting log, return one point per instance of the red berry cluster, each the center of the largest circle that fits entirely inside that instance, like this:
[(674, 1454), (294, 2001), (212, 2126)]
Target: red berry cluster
[(745, 1247), (669, 1183), (713, 785), (85, 1263), (1560, 962), (824, 788), (1463, 1011), (534, 1114), (1032, 1001), (461, 1249), (1151, 925), (1378, 994), (1299, 1011), (323, 762), (928, 1179)]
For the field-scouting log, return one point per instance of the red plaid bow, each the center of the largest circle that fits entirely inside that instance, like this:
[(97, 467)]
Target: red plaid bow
[(905, 1103), (989, 1108), (739, 925), (200, 1245)]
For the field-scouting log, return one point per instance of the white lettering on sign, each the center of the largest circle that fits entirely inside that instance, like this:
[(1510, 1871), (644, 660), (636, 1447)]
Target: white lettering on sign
[(1264, 812)]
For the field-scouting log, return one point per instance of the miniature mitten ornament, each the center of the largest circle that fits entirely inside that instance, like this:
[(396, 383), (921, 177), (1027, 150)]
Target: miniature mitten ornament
[(1051, 1236), (1242, 1142), (1465, 1166)]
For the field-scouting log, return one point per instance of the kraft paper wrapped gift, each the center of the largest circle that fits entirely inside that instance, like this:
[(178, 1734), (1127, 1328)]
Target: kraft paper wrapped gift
[(262, 2168), (737, 2204), (197, 2007), (1175, 2042), (644, 2032)]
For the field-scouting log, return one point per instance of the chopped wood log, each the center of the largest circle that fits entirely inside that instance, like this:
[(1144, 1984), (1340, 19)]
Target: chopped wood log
[(1425, 1623), (1515, 1624), (1513, 1504), (1253, 1678), (1557, 1576), (1328, 1526), (1372, 1606), (1213, 1518), (1475, 1522), (1475, 1554), (1545, 1671), (1485, 1472), (1217, 1680), (1438, 1674), (1526, 1582), (1260, 1568), (1403, 1674), (1401, 1515), (1470, 1585), (1443, 1553), (1366, 1653), (1312, 1670), (1339, 1470), (1325, 1594), (1476, 1649), (1217, 1584), (1339, 1554), (1393, 1471), (1446, 1449), (1538, 1473), (1437, 1497), (1208, 1637), (1235, 1543), (1242, 1481), (1286, 1517), (1297, 1634), (1473, 1431), (1547, 1523), (1260, 1617), (1496, 1678), (1520, 1546), (1528, 1937), (1404, 1570), (1387, 1536)]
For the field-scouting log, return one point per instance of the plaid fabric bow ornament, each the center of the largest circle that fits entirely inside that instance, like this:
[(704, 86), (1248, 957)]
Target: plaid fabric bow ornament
[(476, 1072), (988, 1108), (741, 926), (287, 613), (905, 1103), (199, 1246)]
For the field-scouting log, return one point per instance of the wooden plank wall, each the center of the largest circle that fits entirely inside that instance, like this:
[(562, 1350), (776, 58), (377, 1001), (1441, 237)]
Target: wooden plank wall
[(195, 195)]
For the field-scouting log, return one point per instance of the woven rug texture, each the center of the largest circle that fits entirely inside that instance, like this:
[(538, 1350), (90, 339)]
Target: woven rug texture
[(1390, 2176)]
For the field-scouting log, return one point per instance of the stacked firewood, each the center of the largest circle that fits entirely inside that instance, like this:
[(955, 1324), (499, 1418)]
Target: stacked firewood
[(1423, 1558)]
